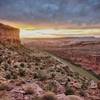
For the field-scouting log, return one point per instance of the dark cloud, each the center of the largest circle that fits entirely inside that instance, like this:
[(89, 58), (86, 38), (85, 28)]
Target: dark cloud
[(51, 11)]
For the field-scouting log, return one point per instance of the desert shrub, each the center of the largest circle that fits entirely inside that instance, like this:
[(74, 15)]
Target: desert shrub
[(8, 75), (6, 67), (15, 66), (14, 76), (82, 93), (9, 62), (1, 60), (29, 90), (11, 75), (36, 64), (42, 75), (41, 68), (22, 65), (98, 85), (22, 72), (84, 86), (19, 82), (35, 75), (53, 75), (3, 86), (37, 68), (51, 86), (48, 96), (69, 91)]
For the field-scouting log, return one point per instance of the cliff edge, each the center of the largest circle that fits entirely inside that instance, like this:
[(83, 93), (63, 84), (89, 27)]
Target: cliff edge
[(9, 35)]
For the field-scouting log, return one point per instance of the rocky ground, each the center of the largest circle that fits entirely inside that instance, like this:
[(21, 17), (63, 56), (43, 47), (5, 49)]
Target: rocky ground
[(33, 75)]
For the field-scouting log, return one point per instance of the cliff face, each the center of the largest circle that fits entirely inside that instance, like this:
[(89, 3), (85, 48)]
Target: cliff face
[(9, 34)]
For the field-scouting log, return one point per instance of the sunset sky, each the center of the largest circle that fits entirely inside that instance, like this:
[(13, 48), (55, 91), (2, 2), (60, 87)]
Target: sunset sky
[(52, 18)]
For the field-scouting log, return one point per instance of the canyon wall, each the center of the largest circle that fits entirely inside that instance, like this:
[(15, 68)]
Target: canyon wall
[(85, 54), (9, 35)]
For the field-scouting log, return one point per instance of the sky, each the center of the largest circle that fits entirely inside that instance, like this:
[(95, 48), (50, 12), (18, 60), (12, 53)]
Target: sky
[(52, 17)]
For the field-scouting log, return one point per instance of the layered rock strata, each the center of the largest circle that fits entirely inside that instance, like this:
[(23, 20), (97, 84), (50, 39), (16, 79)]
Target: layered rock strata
[(9, 35)]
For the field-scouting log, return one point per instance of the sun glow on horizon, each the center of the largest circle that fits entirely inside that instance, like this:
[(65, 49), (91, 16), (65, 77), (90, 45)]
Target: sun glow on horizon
[(56, 33), (45, 31)]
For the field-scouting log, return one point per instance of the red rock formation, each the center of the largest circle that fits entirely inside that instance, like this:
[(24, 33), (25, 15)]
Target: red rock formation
[(9, 35)]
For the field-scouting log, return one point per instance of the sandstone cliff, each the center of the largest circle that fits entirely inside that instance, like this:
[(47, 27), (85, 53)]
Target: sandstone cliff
[(9, 35)]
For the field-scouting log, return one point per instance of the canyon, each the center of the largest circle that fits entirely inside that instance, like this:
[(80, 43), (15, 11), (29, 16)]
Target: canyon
[(27, 72), (81, 51)]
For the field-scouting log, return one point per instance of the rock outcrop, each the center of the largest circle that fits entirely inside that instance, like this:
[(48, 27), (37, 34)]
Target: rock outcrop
[(9, 35)]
